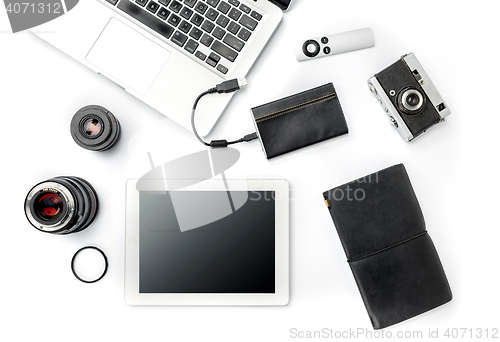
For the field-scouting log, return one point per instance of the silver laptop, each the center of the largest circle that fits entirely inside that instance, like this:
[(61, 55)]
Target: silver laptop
[(166, 52)]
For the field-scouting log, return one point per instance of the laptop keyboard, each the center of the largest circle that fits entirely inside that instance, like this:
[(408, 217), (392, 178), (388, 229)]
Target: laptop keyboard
[(223, 26)]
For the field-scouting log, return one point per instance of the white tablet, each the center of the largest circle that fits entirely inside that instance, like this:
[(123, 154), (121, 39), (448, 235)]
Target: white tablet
[(214, 242)]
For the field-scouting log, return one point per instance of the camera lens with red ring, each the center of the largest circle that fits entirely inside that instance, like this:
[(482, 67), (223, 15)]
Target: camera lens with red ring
[(95, 128), (61, 205), (49, 206)]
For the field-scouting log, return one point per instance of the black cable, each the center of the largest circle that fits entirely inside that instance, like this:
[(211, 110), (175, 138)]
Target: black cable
[(210, 91), (225, 87)]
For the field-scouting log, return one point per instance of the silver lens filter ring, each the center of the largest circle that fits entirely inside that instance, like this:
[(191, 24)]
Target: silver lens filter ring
[(411, 101), (68, 204)]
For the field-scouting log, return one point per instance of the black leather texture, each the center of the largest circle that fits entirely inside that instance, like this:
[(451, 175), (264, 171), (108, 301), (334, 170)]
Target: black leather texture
[(392, 257), (299, 120)]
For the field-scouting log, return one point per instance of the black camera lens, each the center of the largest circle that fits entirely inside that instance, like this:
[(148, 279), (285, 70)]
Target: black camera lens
[(61, 205), (411, 101), (95, 128)]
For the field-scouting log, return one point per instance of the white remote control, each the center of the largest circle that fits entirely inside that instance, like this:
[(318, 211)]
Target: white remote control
[(334, 44)]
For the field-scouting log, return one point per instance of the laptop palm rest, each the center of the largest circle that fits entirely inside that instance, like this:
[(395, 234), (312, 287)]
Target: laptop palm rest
[(127, 56)]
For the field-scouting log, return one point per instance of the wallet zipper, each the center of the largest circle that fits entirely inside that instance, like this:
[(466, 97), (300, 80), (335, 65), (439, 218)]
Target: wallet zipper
[(294, 108)]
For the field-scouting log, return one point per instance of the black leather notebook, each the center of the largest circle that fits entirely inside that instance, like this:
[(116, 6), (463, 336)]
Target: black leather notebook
[(299, 120), (391, 255)]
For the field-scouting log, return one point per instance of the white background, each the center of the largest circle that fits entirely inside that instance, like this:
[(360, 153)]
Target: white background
[(454, 170)]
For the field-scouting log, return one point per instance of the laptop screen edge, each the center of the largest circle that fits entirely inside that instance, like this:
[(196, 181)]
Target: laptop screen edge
[(282, 4)]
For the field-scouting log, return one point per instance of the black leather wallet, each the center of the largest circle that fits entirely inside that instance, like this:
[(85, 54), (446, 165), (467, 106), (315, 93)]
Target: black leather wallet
[(393, 260), (299, 120)]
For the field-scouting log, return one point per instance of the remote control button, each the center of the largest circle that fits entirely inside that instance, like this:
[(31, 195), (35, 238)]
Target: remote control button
[(327, 50), (311, 48), (324, 40)]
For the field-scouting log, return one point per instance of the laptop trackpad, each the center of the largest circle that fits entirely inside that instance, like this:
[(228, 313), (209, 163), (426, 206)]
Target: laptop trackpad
[(127, 56)]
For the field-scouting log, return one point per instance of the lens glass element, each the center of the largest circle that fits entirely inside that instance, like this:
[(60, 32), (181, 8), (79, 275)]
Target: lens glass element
[(49, 206), (412, 100), (92, 127)]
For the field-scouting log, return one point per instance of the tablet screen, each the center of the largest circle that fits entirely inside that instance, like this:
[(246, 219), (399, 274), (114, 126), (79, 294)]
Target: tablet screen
[(207, 242)]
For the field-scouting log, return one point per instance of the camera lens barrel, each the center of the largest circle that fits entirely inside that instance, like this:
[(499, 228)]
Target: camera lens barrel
[(95, 128), (411, 101), (61, 205)]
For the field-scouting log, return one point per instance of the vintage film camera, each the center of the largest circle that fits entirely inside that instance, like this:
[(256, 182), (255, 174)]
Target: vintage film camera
[(408, 97)]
